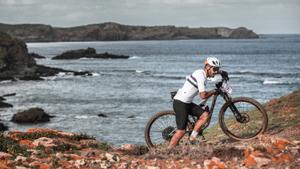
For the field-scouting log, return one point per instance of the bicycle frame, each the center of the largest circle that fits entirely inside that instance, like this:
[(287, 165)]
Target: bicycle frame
[(227, 98), (211, 109)]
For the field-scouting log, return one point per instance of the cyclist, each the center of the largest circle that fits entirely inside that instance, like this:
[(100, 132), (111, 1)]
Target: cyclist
[(183, 105)]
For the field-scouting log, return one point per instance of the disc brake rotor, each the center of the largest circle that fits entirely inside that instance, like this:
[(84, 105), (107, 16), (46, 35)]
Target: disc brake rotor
[(245, 118)]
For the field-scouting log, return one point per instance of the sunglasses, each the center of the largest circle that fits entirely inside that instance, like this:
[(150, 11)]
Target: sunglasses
[(215, 69)]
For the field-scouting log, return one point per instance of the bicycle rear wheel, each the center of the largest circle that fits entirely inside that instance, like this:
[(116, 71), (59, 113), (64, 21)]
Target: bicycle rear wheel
[(254, 119), (160, 128)]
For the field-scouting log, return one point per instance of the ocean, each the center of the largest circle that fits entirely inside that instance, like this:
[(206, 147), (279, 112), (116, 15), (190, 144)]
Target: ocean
[(130, 91)]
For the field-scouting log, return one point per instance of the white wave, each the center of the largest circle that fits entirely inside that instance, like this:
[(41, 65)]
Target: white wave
[(83, 58), (134, 57), (61, 74), (49, 78), (83, 117), (95, 74), (65, 74), (139, 71), (5, 81), (268, 81)]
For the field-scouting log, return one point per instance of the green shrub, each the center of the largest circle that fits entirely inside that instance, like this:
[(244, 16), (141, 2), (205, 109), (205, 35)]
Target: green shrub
[(104, 146), (36, 135), (11, 146), (82, 136)]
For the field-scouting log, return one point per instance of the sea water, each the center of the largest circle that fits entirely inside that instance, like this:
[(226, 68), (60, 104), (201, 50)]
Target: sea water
[(130, 91)]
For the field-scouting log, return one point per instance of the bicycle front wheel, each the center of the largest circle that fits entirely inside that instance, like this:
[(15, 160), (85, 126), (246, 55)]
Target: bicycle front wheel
[(160, 128), (253, 119)]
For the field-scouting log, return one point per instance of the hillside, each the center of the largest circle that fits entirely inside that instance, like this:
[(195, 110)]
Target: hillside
[(114, 31), (46, 148)]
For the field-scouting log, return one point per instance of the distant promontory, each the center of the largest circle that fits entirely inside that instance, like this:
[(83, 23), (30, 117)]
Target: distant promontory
[(113, 32)]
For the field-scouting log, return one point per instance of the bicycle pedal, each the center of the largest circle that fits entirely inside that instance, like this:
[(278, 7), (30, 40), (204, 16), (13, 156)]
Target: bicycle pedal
[(194, 142), (202, 137)]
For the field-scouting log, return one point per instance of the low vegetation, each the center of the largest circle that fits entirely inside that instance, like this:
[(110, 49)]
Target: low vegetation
[(279, 147)]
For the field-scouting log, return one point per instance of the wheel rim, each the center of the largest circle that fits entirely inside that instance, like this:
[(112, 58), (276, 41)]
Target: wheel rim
[(251, 127), (160, 131)]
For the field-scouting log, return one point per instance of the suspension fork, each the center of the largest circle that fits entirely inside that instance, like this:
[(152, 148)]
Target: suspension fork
[(233, 108)]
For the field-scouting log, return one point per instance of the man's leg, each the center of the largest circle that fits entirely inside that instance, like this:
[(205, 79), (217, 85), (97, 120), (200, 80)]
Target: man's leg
[(198, 125), (181, 110), (176, 138)]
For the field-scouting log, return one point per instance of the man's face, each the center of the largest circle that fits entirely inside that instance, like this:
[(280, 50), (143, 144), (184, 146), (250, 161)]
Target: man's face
[(212, 71)]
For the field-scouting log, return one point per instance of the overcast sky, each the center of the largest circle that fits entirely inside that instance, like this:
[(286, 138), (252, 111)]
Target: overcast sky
[(262, 16)]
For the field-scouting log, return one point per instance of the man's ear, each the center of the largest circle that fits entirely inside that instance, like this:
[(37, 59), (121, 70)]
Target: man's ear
[(205, 66)]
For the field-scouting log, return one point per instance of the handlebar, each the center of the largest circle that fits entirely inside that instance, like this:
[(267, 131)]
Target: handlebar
[(219, 85)]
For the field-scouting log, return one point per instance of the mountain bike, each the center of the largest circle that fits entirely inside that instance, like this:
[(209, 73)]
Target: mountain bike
[(240, 118)]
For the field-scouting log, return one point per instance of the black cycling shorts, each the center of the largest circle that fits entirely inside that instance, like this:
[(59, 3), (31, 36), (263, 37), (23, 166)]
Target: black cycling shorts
[(183, 110)]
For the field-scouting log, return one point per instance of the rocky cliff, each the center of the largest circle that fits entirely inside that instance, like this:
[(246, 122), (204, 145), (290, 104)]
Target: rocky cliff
[(14, 58), (114, 31), (16, 63)]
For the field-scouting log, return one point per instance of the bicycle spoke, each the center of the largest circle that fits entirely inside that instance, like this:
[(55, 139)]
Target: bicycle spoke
[(253, 120), (158, 126)]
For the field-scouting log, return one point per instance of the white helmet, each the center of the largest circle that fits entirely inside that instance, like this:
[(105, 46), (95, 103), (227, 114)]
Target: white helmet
[(212, 61)]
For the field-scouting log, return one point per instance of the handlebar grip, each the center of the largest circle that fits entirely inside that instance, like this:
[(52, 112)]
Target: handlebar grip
[(218, 85)]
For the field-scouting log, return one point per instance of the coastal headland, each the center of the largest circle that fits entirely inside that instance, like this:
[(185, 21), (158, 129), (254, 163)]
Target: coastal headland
[(110, 31)]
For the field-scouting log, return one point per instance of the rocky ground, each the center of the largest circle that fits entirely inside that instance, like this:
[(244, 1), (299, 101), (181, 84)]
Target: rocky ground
[(46, 148)]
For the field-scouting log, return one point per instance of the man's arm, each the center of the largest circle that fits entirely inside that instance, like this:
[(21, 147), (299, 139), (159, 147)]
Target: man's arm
[(206, 94)]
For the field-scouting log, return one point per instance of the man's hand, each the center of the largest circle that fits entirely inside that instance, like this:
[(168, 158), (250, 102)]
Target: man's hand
[(224, 75)]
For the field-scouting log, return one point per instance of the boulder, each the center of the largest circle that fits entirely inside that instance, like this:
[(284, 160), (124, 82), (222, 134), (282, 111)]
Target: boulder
[(5, 105), (46, 71), (43, 141), (37, 56), (84, 73), (102, 115), (134, 149), (31, 78), (88, 53), (4, 155), (32, 115), (8, 95), (3, 127)]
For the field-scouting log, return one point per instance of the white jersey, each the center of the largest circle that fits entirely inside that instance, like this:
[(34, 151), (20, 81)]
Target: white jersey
[(193, 85)]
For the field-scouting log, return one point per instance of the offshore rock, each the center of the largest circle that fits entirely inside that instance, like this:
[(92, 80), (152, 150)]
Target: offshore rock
[(3, 127), (5, 105), (88, 53), (2, 98), (32, 115)]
